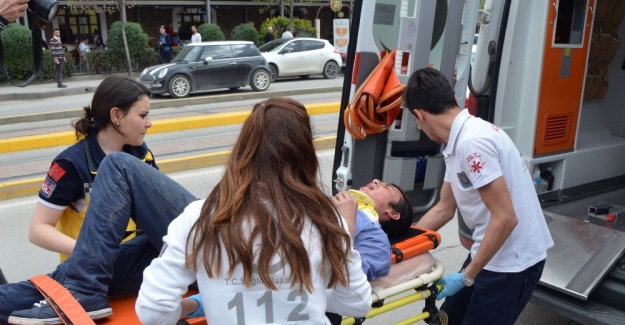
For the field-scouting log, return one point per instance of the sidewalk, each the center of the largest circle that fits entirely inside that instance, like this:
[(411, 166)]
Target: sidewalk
[(77, 84)]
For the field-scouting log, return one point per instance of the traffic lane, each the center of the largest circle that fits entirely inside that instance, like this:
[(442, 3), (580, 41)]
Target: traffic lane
[(50, 125), (10, 108), (30, 164)]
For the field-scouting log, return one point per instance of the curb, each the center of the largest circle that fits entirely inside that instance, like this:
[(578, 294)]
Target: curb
[(154, 104), (16, 189), (159, 126)]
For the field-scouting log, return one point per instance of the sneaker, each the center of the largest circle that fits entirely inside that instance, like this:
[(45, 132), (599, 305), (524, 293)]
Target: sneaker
[(42, 313), (62, 86)]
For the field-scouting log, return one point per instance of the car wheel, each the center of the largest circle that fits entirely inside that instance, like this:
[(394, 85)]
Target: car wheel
[(179, 86), (274, 72), (330, 70), (260, 80), (234, 88), (304, 76)]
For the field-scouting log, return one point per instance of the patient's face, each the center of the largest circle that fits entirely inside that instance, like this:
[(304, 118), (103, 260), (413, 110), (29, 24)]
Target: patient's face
[(382, 195)]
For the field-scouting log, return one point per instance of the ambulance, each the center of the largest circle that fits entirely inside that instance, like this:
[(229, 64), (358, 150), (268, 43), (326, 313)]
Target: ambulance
[(551, 74)]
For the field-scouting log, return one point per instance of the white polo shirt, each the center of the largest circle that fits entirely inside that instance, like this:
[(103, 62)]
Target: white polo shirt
[(478, 153)]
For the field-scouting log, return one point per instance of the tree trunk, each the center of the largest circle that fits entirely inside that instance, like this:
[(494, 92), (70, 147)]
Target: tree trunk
[(122, 12), (291, 18)]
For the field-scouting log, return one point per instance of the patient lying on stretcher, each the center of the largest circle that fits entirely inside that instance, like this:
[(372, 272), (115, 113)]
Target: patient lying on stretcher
[(383, 211)]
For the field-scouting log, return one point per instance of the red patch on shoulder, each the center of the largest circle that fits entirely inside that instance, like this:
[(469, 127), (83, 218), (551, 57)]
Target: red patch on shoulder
[(56, 172), (475, 163)]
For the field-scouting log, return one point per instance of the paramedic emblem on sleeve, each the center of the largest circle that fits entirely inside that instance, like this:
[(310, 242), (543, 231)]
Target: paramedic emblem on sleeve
[(475, 163), (47, 188), (464, 180)]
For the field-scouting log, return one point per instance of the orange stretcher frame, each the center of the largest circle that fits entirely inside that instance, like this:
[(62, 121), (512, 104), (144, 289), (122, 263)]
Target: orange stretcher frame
[(416, 241), (72, 312)]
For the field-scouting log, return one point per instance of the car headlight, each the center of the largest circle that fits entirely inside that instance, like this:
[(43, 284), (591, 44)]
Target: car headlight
[(144, 71), (162, 73)]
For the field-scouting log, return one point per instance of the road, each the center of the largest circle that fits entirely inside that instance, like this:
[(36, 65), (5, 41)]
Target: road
[(36, 106)]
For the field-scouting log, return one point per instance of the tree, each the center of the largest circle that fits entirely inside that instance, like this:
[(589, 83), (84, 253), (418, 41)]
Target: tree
[(108, 6)]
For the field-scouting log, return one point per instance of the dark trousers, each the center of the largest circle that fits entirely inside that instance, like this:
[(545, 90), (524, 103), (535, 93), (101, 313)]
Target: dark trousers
[(165, 57), (494, 298), (59, 72)]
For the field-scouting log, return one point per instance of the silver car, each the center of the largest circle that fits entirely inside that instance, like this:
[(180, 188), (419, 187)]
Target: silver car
[(301, 57)]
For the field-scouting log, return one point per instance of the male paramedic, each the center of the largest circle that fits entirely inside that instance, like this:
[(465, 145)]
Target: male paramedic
[(488, 181), (383, 209)]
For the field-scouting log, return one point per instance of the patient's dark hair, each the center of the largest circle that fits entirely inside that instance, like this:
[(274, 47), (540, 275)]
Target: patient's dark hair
[(398, 227)]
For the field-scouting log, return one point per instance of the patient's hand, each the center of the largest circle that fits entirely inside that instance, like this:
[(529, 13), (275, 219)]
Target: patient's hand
[(347, 207)]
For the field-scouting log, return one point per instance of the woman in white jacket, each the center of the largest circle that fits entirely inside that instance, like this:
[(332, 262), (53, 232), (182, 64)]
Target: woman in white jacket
[(267, 243)]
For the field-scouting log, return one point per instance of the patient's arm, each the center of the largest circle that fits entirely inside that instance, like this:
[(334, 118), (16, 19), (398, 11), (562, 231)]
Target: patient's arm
[(374, 248)]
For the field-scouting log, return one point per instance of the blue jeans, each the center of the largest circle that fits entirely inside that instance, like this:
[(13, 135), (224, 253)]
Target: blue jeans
[(124, 188), (494, 298)]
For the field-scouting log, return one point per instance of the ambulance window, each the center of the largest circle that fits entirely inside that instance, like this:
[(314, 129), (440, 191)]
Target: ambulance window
[(570, 20)]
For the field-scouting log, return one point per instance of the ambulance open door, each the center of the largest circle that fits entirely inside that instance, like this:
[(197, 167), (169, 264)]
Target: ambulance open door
[(563, 74)]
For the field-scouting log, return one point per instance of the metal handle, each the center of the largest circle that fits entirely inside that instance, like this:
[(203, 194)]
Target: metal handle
[(555, 13)]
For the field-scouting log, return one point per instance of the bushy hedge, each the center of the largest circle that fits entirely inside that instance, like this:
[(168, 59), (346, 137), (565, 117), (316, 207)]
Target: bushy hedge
[(245, 32), (19, 59), (211, 32)]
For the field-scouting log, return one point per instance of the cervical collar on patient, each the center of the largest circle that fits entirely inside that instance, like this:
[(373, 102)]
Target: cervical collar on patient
[(365, 204)]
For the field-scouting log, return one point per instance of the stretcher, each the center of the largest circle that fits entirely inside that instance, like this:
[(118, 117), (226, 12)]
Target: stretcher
[(413, 271)]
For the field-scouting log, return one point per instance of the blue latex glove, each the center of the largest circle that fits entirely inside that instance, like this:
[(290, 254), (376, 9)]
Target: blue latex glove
[(453, 283), (199, 312)]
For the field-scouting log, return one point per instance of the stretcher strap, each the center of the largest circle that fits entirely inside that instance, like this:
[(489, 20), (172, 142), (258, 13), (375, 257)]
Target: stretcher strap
[(399, 255), (62, 301)]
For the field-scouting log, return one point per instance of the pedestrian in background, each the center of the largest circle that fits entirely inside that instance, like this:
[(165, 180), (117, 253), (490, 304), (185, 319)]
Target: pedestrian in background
[(269, 35), (165, 47), (44, 40), (287, 33), (58, 55), (195, 36)]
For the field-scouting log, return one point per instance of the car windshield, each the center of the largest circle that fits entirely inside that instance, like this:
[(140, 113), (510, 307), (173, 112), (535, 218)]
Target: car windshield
[(189, 54), (272, 46)]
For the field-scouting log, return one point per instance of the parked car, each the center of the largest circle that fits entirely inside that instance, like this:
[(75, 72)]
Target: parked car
[(301, 57), (209, 65)]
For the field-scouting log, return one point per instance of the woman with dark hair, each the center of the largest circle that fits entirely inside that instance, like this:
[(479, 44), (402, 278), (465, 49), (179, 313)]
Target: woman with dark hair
[(267, 242), (116, 121)]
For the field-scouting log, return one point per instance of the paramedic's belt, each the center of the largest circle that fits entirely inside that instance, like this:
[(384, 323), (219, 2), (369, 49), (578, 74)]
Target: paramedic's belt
[(377, 101)]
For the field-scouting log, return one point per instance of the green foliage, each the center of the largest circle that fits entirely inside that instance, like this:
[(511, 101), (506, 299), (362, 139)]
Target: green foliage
[(99, 61), (211, 32), (301, 27), (245, 32), (19, 60), (137, 43)]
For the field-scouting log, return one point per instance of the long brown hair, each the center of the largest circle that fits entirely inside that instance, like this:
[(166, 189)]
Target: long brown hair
[(269, 187)]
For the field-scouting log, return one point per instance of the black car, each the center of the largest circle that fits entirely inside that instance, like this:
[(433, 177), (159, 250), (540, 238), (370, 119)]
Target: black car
[(209, 65)]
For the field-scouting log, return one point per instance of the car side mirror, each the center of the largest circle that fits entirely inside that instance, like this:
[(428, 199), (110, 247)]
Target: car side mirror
[(283, 51), (208, 59)]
